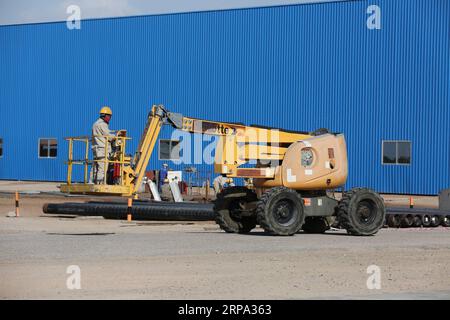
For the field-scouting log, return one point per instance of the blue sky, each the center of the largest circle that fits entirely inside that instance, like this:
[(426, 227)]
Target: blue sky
[(30, 11)]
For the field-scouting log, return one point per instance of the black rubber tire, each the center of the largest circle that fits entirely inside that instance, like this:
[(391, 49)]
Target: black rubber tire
[(275, 203), (435, 221), (426, 220), (406, 221), (227, 213), (393, 221), (445, 221), (417, 222), (354, 205), (315, 225)]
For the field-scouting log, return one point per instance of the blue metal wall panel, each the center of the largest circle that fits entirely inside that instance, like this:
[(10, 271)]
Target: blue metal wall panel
[(296, 67)]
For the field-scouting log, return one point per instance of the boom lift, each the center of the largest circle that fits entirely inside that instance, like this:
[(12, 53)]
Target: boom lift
[(292, 174)]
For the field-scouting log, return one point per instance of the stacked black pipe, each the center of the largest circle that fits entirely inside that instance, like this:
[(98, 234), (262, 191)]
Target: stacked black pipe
[(397, 217)]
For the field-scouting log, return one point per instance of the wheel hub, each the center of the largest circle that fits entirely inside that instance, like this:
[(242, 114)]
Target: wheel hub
[(284, 212), (366, 212)]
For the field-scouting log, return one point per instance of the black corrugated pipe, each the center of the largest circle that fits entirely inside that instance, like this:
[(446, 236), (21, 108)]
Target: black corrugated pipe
[(140, 211)]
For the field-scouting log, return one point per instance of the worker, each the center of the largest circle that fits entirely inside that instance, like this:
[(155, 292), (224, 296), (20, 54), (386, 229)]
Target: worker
[(220, 182), (99, 129), (163, 176)]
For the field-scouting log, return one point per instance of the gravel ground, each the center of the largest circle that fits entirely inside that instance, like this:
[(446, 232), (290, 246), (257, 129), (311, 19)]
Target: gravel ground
[(164, 260), (151, 260)]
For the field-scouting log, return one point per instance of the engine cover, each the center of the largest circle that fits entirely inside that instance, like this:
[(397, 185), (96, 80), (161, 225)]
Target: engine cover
[(319, 162)]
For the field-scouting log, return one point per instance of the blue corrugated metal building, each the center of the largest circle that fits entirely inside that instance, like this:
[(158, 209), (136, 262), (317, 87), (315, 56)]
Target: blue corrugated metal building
[(299, 67)]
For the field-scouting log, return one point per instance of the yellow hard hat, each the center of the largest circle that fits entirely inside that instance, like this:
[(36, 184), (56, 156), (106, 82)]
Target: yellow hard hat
[(106, 110)]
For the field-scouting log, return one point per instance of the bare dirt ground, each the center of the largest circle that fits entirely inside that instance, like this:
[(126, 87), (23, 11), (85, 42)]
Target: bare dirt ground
[(154, 260)]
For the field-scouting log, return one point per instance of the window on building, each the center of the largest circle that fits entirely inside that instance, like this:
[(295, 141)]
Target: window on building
[(169, 150), (1, 147), (397, 152), (48, 148)]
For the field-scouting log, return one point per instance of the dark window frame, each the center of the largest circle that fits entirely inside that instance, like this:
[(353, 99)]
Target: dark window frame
[(1, 147), (170, 150), (48, 148), (397, 163)]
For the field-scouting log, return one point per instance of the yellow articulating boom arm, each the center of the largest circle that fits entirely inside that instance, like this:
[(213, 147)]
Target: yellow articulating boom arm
[(146, 145), (237, 144)]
